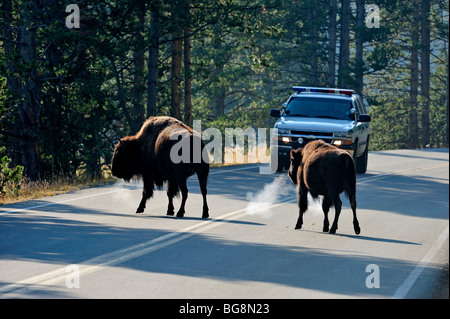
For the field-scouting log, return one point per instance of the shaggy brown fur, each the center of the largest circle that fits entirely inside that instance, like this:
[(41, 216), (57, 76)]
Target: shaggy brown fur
[(323, 169), (148, 155)]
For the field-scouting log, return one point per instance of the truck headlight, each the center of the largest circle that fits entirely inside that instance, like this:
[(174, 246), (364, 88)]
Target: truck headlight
[(342, 142)]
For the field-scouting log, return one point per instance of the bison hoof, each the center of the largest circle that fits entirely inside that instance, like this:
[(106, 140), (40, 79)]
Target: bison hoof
[(139, 210), (333, 230), (205, 215), (180, 213), (298, 226), (170, 213), (357, 230), (325, 229)]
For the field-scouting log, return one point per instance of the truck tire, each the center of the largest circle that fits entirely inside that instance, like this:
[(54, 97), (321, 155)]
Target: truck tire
[(361, 161)]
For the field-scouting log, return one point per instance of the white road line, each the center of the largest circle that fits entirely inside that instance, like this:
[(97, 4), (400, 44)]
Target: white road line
[(234, 169), (404, 288), (57, 203), (121, 255), (364, 179)]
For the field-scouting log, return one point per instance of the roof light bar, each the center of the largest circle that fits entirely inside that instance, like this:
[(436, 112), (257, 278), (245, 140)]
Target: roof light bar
[(322, 90)]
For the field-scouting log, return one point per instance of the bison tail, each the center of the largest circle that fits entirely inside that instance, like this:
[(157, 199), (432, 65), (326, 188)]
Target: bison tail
[(349, 177)]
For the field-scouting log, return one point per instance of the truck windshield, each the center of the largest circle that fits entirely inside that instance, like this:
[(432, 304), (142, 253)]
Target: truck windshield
[(319, 108)]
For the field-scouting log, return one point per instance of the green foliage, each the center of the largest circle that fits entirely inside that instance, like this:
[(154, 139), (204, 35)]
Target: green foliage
[(9, 177), (245, 55)]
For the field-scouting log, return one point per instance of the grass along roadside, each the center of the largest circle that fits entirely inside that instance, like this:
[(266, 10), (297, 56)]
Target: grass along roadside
[(28, 190)]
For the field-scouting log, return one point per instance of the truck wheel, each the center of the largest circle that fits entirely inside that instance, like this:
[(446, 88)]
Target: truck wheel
[(361, 162)]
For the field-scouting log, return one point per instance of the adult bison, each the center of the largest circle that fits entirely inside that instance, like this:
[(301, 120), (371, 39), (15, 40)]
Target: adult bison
[(323, 169), (154, 155)]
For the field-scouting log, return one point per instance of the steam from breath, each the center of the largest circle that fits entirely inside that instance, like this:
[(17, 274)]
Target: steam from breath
[(259, 203), (129, 192)]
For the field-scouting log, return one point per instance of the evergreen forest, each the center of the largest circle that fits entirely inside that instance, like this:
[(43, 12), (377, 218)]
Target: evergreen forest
[(75, 76)]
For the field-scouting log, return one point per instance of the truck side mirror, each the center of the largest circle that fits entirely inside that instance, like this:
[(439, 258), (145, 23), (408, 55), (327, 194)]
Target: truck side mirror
[(352, 114), (275, 113), (365, 118)]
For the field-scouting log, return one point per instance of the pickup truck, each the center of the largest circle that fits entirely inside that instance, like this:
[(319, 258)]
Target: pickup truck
[(336, 116)]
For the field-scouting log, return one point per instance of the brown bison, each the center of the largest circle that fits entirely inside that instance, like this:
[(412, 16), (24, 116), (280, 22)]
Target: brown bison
[(323, 169), (164, 150)]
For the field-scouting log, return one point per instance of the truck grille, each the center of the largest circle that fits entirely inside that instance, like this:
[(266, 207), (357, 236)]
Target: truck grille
[(307, 133)]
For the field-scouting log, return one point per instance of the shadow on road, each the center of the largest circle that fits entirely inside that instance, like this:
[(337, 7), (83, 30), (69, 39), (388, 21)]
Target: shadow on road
[(53, 239), (428, 196), (64, 241)]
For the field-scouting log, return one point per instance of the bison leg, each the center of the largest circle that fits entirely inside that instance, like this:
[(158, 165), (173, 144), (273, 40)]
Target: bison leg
[(146, 194), (202, 181), (302, 203), (337, 203), (172, 189), (326, 204), (184, 195), (355, 220)]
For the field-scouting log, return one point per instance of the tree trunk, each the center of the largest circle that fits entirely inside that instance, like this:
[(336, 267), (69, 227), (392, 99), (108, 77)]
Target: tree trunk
[(152, 80), (313, 38), (188, 80), (177, 44), (344, 46), (121, 98), (359, 62), (414, 82), (177, 54), (332, 43), (447, 124), (139, 65), (220, 91), (425, 71), (14, 83), (29, 110), (26, 87)]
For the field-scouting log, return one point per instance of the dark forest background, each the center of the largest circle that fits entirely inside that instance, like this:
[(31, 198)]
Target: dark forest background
[(68, 94)]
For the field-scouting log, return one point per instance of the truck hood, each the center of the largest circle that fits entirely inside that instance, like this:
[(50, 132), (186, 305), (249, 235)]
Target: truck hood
[(315, 124)]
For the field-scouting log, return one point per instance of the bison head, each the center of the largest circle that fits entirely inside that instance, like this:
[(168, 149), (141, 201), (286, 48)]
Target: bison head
[(296, 160), (124, 161)]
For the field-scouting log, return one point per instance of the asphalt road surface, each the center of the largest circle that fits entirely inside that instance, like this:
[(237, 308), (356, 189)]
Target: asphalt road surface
[(91, 244)]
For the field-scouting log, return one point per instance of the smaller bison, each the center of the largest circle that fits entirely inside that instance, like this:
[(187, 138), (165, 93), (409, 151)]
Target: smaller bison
[(155, 155), (323, 169)]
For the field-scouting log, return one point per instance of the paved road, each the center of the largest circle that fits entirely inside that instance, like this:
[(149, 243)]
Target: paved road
[(90, 244)]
